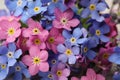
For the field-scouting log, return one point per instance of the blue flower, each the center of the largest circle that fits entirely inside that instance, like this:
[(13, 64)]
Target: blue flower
[(98, 31), (86, 49), (16, 7), (115, 57), (116, 76), (52, 59), (46, 75), (74, 38), (36, 7), (93, 7), (68, 53), (10, 54), (56, 4), (4, 68), (17, 70)]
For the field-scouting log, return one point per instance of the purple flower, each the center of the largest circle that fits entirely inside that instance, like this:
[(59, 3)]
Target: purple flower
[(93, 7), (60, 72), (67, 53)]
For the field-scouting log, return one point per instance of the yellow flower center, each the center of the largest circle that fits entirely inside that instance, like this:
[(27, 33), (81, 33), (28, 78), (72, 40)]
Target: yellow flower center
[(64, 21), (50, 76), (51, 40), (17, 68), (36, 31), (92, 7), (36, 60), (37, 42), (11, 31), (19, 3), (3, 66), (85, 49), (105, 56), (98, 32), (10, 54), (59, 73), (54, 1), (73, 40), (68, 52), (53, 61), (36, 9)]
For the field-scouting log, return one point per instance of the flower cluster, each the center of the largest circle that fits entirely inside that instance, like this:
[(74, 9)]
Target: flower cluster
[(57, 40)]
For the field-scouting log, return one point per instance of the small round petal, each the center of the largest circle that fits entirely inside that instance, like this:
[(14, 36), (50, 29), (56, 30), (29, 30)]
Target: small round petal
[(66, 34), (75, 50), (11, 62), (77, 33), (18, 53), (33, 69), (61, 66), (68, 14), (101, 6), (100, 77), (66, 72), (43, 55), (61, 48), (80, 41), (12, 47), (62, 58), (34, 51), (72, 59), (84, 78), (27, 60), (85, 13), (63, 78), (104, 38), (44, 67), (91, 54), (91, 74), (73, 22), (26, 73)]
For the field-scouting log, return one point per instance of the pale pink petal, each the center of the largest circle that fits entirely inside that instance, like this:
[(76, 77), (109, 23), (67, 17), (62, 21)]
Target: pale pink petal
[(15, 24), (75, 78), (54, 48), (33, 69), (42, 46), (10, 39), (66, 72), (4, 35), (84, 78), (26, 33), (44, 34), (73, 22), (100, 77), (43, 55), (29, 43), (63, 78), (68, 14), (48, 45), (17, 33), (44, 67), (34, 51), (67, 27), (57, 24), (91, 74), (27, 60)]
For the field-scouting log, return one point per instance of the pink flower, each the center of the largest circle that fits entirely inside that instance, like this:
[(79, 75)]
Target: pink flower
[(10, 30), (91, 75), (34, 28), (36, 60), (55, 37), (9, 18), (36, 41), (113, 28), (75, 78), (65, 19)]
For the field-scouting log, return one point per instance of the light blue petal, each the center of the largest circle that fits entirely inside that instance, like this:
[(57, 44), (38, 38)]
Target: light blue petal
[(93, 1), (101, 6), (91, 54), (104, 38), (115, 58), (66, 34), (18, 11), (72, 59), (18, 53), (3, 50), (63, 58), (82, 40), (77, 33), (61, 48), (17, 76), (3, 59), (85, 32), (12, 47), (75, 50), (26, 73), (85, 13), (11, 62), (3, 74), (51, 8)]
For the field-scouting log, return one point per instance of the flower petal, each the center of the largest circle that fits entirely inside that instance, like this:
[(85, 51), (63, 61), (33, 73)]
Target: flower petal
[(85, 13), (72, 59), (27, 60), (66, 72), (11, 62), (18, 53), (61, 48), (100, 77), (43, 55), (33, 69), (44, 67), (66, 34), (73, 22), (91, 74), (62, 58), (77, 33)]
